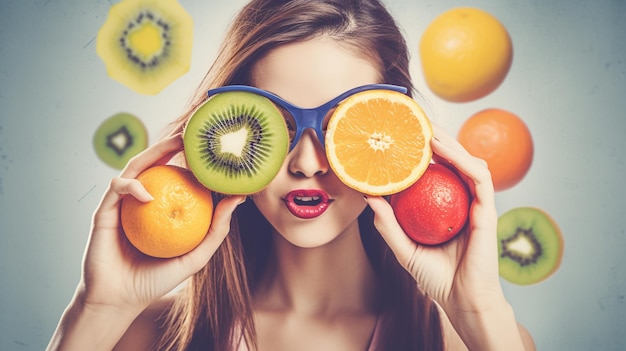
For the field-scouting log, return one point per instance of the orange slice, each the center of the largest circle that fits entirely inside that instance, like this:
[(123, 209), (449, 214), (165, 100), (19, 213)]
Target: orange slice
[(378, 142)]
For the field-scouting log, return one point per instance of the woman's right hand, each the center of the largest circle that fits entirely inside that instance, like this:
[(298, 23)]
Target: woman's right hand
[(118, 275)]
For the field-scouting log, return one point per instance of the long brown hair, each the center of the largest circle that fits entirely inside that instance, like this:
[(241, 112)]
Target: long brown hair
[(213, 311)]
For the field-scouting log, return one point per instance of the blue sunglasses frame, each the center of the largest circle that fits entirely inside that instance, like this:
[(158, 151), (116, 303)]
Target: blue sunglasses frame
[(307, 117)]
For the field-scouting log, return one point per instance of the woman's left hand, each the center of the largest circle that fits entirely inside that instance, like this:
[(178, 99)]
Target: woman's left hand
[(461, 274)]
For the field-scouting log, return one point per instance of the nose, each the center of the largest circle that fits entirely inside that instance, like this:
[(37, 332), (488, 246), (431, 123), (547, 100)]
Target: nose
[(308, 158)]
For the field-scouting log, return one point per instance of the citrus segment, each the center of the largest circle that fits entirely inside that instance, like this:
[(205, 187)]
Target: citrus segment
[(178, 218), (465, 53), (378, 142)]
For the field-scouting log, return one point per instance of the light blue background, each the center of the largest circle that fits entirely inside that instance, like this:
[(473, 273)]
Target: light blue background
[(568, 82)]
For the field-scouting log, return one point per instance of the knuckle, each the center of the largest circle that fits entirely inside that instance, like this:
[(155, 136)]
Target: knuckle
[(133, 164), (116, 183), (480, 162), (120, 185), (482, 169)]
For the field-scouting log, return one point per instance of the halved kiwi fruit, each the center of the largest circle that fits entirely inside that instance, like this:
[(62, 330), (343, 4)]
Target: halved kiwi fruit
[(530, 245), (146, 44), (119, 138), (236, 142)]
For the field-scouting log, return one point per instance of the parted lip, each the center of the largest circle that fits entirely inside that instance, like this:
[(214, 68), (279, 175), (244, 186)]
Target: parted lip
[(307, 203)]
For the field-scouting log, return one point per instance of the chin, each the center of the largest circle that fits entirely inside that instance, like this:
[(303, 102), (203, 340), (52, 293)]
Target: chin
[(317, 233)]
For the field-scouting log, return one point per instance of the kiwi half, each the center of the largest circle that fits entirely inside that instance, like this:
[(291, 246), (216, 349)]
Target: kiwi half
[(118, 138), (146, 44), (530, 245), (236, 142)]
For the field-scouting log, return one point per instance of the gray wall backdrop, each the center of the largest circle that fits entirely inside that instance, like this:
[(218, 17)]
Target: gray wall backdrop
[(568, 82)]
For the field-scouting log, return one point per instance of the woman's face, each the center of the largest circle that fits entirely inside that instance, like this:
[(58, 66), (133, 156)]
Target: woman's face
[(306, 203)]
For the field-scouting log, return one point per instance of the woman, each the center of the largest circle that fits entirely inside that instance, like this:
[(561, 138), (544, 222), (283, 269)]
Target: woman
[(265, 277)]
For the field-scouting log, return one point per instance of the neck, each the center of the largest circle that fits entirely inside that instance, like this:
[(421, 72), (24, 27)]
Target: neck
[(323, 281)]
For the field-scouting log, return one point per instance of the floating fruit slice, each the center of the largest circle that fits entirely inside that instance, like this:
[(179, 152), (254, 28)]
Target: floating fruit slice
[(435, 208), (146, 44), (530, 245), (236, 142), (178, 218), (465, 53), (119, 138), (378, 142), (503, 140)]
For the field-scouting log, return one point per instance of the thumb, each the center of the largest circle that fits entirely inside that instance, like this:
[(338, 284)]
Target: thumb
[(219, 229), (385, 221)]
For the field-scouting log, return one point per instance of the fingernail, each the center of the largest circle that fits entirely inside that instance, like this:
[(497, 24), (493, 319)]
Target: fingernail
[(146, 195)]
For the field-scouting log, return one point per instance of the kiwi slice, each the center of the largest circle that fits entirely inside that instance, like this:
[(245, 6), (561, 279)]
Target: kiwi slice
[(236, 142), (146, 44), (530, 245), (118, 138)]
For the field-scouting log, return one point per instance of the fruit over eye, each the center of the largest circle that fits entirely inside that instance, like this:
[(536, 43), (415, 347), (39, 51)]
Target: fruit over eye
[(146, 44), (236, 142), (378, 142)]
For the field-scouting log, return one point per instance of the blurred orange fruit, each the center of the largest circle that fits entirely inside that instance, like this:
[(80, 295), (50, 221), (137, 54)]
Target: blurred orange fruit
[(178, 218), (465, 54), (378, 141), (503, 140)]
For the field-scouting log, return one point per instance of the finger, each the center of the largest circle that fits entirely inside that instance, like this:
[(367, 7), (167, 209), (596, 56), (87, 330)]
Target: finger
[(474, 168), (126, 182), (385, 221), (119, 187), (448, 148), (483, 214), (157, 153), (220, 227)]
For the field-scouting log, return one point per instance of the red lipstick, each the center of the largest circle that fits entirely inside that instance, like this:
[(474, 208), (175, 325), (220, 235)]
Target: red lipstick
[(307, 203)]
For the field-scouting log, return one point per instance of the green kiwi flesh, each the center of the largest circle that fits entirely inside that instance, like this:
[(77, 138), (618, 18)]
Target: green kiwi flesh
[(530, 245), (119, 138), (236, 142)]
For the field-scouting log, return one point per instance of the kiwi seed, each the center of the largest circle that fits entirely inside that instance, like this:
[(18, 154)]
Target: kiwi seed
[(148, 59), (524, 257), (236, 142)]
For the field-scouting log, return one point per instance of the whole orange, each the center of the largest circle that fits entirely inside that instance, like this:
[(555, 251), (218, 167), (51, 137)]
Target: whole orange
[(465, 54), (435, 208), (176, 220), (503, 140)]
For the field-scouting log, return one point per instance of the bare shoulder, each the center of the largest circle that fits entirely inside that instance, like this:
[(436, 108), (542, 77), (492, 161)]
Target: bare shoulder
[(144, 330)]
